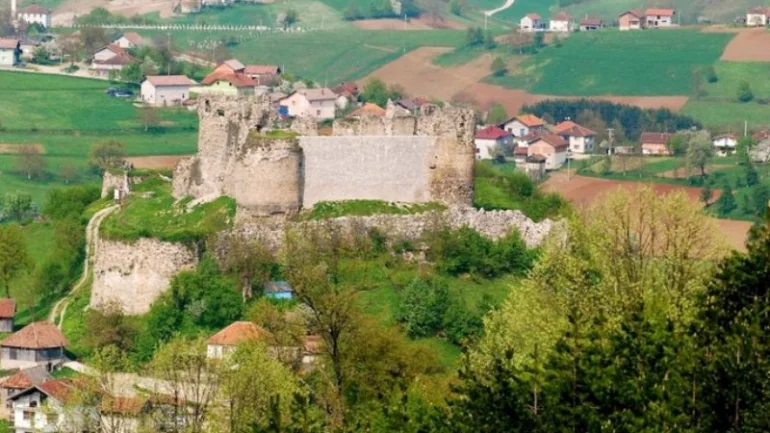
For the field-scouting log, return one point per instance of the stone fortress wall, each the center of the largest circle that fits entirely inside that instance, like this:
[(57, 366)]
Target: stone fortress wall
[(399, 158)]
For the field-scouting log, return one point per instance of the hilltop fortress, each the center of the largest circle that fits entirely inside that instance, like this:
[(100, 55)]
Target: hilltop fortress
[(273, 174), (396, 158)]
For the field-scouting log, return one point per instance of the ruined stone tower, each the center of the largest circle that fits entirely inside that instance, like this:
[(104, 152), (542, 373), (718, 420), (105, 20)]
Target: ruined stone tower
[(397, 157)]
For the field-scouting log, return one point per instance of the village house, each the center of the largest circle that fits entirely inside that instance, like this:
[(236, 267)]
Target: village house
[(129, 40), (657, 18), (227, 340), (757, 16), (523, 124), (632, 19), (120, 414), (550, 146), (492, 142), (227, 83), (314, 103), (19, 381), (725, 144), (278, 290), (368, 109), (190, 6), (7, 314), (163, 90), (39, 343), (588, 24), (348, 89), (562, 22), (581, 139), (35, 14), (655, 143), (10, 52), (264, 75), (110, 58), (311, 350), (531, 22), (44, 408)]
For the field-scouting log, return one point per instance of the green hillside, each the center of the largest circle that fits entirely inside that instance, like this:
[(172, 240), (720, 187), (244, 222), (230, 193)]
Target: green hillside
[(620, 63)]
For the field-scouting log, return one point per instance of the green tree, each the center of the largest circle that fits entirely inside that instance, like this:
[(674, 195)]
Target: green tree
[(375, 91), (457, 7), (726, 202), (30, 161), (677, 144), (497, 115), (149, 117), (352, 12), (422, 307), (744, 92), (474, 36), (498, 67), (700, 150), (711, 75), (290, 18), (132, 73), (107, 325), (107, 154), (251, 260), (13, 256), (706, 193)]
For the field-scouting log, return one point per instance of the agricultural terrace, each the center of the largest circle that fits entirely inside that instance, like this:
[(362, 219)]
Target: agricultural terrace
[(651, 63), (64, 117)]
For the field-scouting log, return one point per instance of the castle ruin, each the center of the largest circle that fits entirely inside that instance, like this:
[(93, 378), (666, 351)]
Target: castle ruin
[(395, 158)]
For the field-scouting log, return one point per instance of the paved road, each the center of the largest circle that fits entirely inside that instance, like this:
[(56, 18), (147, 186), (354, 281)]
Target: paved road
[(508, 3)]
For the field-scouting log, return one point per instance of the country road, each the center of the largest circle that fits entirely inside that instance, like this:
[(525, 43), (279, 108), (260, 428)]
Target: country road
[(508, 3), (92, 234)]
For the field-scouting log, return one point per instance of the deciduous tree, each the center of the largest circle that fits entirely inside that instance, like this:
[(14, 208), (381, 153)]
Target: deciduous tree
[(30, 161), (13, 256), (107, 154)]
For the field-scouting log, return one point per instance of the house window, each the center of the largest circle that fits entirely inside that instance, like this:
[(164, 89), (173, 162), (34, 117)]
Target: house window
[(28, 416), (13, 354), (521, 132), (33, 403)]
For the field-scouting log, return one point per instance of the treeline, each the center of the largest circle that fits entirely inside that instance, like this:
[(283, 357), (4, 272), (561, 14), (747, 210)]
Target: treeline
[(379, 9), (628, 121)]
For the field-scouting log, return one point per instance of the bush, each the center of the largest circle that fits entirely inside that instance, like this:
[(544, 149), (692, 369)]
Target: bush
[(63, 203), (711, 75), (498, 67), (465, 251), (744, 92), (422, 307)]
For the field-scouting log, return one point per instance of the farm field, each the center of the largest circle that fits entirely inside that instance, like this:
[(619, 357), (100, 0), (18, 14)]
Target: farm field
[(728, 115), (312, 13), (65, 116), (624, 63), (583, 190), (421, 23), (731, 74), (749, 45)]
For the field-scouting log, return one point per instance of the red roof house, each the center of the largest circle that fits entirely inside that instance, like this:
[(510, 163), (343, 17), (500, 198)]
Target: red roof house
[(236, 333)]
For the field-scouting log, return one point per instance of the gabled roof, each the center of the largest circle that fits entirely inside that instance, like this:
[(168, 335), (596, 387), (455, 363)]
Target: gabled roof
[(7, 308), (133, 37), (261, 70), (661, 12), (759, 10), (521, 151), (561, 16), (635, 12), (35, 10), (368, 109), (591, 22), (114, 48), (572, 129), (235, 65), (170, 80), (554, 140), (655, 137), (27, 378), (348, 88), (533, 16), (8, 44), (529, 120), (59, 389), (238, 332), (37, 335), (730, 136), (761, 134), (411, 104), (237, 79), (130, 406), (322, 94), (492, 132)]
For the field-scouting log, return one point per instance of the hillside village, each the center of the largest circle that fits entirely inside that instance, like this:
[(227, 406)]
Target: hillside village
[(309, 216)]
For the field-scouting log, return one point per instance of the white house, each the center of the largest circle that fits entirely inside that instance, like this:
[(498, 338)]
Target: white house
[(660, 18), (314, 103), (35, 14), (39, 343), (725, 145), (166, 89), (227, 340), (10, 50), (43, 408), (552, 147), (522, 125), (110, 58), (530, 23), (562, 22), (129, 40), (581, 140), (757, 16), (491, 140)]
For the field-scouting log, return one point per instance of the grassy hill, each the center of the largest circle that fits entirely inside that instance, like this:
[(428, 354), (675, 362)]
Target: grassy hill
[(65, 116), (620, 63)]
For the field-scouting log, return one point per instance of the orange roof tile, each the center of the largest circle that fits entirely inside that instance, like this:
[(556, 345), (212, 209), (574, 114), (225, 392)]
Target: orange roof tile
[(38, 335), (368, 109), (530, 120), (7, 308), (661, 12), (238, 332), (237, 79)]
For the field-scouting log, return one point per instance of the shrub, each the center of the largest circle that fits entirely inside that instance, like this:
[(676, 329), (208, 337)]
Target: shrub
[(465, 251), (711, 75), (744, 92), (422, 307)]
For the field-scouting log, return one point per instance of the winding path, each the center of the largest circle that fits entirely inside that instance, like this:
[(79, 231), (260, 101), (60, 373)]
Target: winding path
[(508, 3), (92, 234)]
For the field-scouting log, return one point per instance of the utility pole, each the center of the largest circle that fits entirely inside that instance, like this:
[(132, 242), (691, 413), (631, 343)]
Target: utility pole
[(170, 56), (745, 128), (611, 139)]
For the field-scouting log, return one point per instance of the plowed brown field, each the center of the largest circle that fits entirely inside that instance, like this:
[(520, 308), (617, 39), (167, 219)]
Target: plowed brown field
[(155, 162), (583, 190), (751, 45)]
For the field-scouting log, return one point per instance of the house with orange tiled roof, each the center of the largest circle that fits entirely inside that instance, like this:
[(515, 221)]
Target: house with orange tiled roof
[(632, 19), (551, 146), (657, 18), (531, 22), (7, 314), (39, 343), (656, 143), (581, 139), (110, 58), (758, 16), (228, 339), (19, 381), (492, 141), (368, 109), (47, 407), (562, 22), (223, 82), (314, 103), (523, 125)]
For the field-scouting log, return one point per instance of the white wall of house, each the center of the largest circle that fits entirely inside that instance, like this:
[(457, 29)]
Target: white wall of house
[(103, 55), (555, 158), (725, 145), (756, 20), (42, 19), (6, 57), (164, 95), (124, 43), (32, 413), (486, 148), (527, 24), (659, 21), (561, 26), (298, 105), (217, 351), (516, 128), (581, 144)]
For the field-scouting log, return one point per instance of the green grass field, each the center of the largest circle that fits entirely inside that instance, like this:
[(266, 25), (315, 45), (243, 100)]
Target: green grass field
[(623, 63), (718, 12), (728, 115), (731, 74)]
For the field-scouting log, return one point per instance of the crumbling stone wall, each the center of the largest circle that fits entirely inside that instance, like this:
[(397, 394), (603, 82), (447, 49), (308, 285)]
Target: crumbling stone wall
[(135, 274), (114, 181)]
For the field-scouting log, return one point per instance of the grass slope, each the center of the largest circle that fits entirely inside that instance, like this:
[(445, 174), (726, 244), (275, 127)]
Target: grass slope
[(312, 13), (653, 63)]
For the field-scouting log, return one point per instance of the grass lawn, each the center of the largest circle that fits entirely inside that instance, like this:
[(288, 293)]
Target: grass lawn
[(654, 63), (312, 13), (728, 115), (323, 210), (520, 8), (731, 74)]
